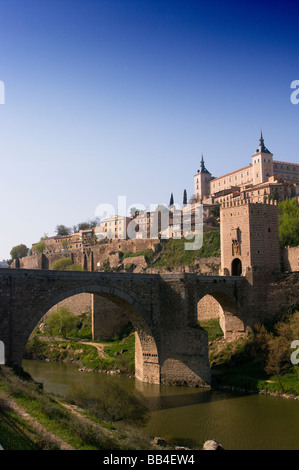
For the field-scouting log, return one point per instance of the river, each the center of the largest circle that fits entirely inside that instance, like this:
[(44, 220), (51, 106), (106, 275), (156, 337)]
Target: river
[(192, 415)]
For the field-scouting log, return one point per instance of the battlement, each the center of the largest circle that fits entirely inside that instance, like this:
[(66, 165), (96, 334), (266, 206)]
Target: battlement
[(242, 202)]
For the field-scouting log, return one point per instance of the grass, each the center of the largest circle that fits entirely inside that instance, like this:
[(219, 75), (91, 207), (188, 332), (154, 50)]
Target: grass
[(212, 327), (174, 253), (49, 411), (148, 254), (15, 434)]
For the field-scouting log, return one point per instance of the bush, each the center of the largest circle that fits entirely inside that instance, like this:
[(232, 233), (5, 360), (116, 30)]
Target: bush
[(289, 222), (66, 264), (112, 403), (62, 264)]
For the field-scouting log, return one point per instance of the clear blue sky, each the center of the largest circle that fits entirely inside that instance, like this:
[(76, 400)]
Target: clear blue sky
[(105, 98)]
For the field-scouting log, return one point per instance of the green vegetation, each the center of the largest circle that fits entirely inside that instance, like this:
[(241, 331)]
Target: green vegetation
[(14, 431), (118, 355), (212, 327), (40, 247), (54, 425), (148, 254), (62, 230), (74, 331), (259, 361), (19, 251), (289, 222), (66, 264), (173, 251), (61, 322), (110, 403)]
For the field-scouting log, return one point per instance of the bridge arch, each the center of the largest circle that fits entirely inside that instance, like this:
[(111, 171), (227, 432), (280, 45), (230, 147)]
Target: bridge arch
[(223, 306), (145, 342)]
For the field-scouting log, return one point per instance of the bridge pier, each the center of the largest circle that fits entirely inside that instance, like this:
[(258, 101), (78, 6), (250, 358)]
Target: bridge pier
[(108, 319), (185, 357)]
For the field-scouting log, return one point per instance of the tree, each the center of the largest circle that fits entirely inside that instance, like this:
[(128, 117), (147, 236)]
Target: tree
[(274, 195), (215, 211), (61, 322), (40, 247), (278, 357), (185, 197), (133, 211), (62, 230), (193, 199), (171, 202), (19, 251), (289, 222)]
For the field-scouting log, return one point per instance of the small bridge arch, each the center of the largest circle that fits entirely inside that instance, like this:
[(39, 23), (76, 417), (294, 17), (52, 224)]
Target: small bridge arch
[(228, 309)]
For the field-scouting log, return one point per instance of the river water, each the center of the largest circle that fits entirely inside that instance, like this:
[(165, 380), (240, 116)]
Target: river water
[(191, 415)]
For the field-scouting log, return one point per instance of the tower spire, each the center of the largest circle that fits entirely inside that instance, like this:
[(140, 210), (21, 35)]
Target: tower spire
[(262, 145), (262, 148), (202, 166)]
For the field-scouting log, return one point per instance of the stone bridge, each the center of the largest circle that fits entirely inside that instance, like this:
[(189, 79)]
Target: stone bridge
[(170, 346)]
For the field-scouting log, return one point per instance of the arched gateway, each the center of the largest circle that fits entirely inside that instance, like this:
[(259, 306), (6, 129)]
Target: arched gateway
[(170, 347)]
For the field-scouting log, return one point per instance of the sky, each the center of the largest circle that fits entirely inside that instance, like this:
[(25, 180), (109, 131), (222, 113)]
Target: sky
[(120, 98)]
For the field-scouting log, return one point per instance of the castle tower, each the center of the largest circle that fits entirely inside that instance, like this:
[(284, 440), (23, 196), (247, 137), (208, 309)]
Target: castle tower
[(249, 238), (262, 163), (202, 181)]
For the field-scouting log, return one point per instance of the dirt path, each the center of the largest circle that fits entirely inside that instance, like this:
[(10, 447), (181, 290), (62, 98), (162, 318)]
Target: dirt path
[(98, 346), (39, 428)]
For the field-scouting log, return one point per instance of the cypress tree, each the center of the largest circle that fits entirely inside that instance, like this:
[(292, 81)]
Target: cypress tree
[(171, 202), (185, 197)]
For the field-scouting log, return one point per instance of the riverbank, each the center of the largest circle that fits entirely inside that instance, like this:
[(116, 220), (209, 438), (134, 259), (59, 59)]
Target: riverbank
[(257, 363), (34, 420), (107, 357)]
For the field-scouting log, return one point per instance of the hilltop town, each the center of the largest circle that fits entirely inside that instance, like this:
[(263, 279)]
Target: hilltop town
[(136, 242)]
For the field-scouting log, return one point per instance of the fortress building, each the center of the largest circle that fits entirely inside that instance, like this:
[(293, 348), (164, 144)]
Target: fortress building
[(264, 178), (249, 237)]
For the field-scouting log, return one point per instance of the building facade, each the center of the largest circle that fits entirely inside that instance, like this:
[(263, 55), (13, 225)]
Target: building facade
[(262, 179)]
